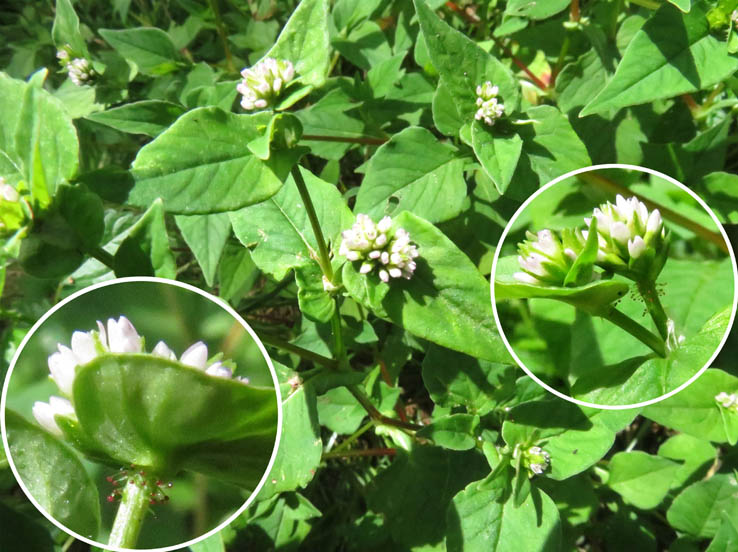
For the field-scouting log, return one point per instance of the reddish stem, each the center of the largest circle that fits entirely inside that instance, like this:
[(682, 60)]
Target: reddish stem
[(690, 102), (538, 82), (574, 13)]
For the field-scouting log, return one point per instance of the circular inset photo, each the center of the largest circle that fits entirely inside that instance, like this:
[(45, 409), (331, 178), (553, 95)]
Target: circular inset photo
[(141, 414), (614, 286)]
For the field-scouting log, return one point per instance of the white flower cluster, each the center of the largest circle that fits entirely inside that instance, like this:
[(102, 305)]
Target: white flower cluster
[(537, 460), (263, 82), (376, 246), (626, 229), (120, 337), (489, 108), (79, 69), (729, 401), (544, 259)]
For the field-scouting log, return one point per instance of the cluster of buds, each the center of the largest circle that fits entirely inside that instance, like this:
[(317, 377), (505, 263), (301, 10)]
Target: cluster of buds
[(632, 241), (120, 337), (80, 70), (12, 214), (728, 401), (546, 258), (534, 459), (377, 246), (263, 83), (489, 108)]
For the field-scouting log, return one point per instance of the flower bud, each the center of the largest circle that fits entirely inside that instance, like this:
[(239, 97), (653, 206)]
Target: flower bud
[(196, 356), (536, 460), (545, 259), (45, 413), (263, 83), (162, 350), (62, 366), (122, 336), (489, 108)]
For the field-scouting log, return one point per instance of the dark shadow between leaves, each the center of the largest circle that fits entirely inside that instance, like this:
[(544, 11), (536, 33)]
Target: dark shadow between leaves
[(111, 184), (550, 413)]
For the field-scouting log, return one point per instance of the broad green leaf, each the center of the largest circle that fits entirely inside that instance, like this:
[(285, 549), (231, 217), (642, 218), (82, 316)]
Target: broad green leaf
[(416, 172), (694, 410), (684, 5), (535, 9), (149, 48), (279, 229), (54, 476), (463, 65), (454, 379), (673, 53), (366, 46), (590, 297), (38, 142), (145, 250), (699, 508), (66, 29), (697, 455), (304, 41), (150, 117), (300, 445), (206, 236), (283, 131), (283, 520), (166, 416), (210, 544), (579, 81), (721, 191), (642, 479), (726, 538), (315, 302), (415, 511), (446, 301), (455, 432), (575, 438), (497, 152), (481, 517), (192, 177), (236, 273), (339, 411), (446, 114)]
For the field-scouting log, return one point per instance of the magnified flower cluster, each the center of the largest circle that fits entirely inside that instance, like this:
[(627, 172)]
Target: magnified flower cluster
[(631, 241), (728, 401), (80, 70), (378, 246), (120, 337), (490, 109), (263, 83)]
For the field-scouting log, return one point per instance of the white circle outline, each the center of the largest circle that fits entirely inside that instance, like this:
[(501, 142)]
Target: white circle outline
[(188, 287), (595, 168)]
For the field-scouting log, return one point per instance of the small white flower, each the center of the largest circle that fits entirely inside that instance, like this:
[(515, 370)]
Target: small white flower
[(7, 192), (536, 460), (45, 413), (122, 336), (219, 371), (196, 356), (262, 83), (162, 350), (84, 347), (80, 71), (62, 366), (729, 401), (489, 107), (62, 55)]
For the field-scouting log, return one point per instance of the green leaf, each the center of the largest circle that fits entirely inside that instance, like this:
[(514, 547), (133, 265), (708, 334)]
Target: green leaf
[(66, 29), (300, 445), (284, 521), (279, 229), (453, 379), (455, 432), (418, 173), (580, 272), (699, 508), (642, 479), (149, 48), (38, 142), (210, 544), (282, 132), (535, 9), (684, 5), (54, 476), (145, 250), (446, 301), (414, 510), (315, 302), (694, 410), (591, 297), (696, 454), (463, 65), (304, 41), (482, 517), (726, 538), (192, 177), (236, 272), (206, 236), (149, 117), (673, 53), (166, 416), (497, 152)]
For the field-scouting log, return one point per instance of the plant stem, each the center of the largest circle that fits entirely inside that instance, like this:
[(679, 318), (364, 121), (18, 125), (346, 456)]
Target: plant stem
[(538, 82), (299, 351), (349, 440), (324, 259), (222, 34), (103, 256), (134, 505), (654, 307), (636, 330), (368, 140), (574, 12), (339, 351), (375, 414), (359, 452)]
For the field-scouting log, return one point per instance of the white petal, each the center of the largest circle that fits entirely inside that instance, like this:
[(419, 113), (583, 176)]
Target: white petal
[(654, 222), (366, 268), (62, 407), (62, 368), (162, 350), (384, 275), (219, 371), (525, 278), (620, 232), (123, 337), (384, 224), (102, 335), (196, 356), (83, 346), (636, 247), (395, 272), (44, 415)]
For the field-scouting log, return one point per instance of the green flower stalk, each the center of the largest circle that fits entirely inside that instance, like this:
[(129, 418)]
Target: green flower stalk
[(632, 241)]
